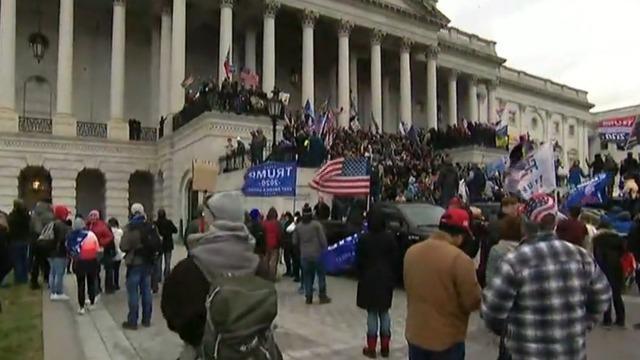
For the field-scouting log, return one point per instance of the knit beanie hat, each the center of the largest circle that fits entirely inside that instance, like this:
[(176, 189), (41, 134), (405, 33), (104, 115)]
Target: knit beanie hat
[(61, 212), (137, 208), (226, 206), (539, 206), (78, 224)]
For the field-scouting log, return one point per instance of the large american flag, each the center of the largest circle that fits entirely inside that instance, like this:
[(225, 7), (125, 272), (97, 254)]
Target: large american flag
[(343, 177)]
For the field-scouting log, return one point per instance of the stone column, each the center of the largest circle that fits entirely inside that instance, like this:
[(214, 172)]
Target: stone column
[(376, 77), (432, 88), (522, 109), (405, 82), (344, 100), (565, 140), (389, 121), (165, 63), (226, 37), (250, 35), (453, 98), (117, 126), (117, 196), (353, 78), (178, 57), (308, 23), (492, 103), (8, 116), (473, 99), (269, 46), (63, 192), (547, 125), (64, 123)]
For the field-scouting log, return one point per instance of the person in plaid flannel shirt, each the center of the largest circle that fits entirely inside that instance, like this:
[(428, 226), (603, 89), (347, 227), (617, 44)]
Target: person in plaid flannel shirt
[(547, 293)]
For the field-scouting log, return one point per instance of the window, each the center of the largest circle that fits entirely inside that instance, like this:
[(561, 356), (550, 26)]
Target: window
[(534, 123), (556, 127), (572, 130), (604, 146)]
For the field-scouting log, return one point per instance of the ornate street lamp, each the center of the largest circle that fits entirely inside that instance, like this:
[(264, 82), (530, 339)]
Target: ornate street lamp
[(38, 42), (275, 109)]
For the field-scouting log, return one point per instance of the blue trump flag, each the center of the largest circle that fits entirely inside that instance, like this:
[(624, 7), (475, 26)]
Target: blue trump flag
[(271, 179), (590, 192)]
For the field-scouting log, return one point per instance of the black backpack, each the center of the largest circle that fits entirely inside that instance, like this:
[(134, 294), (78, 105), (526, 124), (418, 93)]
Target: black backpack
[(150, 241)]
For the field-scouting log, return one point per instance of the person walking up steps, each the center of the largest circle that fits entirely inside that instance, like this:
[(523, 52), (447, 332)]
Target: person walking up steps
[(141, 244), (83, 247)]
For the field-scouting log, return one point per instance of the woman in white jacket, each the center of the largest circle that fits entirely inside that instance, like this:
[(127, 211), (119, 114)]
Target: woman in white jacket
[(117, 236)]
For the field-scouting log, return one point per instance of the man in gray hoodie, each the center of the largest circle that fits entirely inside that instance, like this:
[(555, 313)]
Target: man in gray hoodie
[(225, 247), (309, 236)]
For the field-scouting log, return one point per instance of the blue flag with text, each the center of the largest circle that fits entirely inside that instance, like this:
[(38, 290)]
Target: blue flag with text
[(271, 179)]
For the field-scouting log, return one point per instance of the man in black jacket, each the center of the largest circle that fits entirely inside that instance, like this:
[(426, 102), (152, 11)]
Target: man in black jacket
[(447, 182), (166, 229), (633, 245)]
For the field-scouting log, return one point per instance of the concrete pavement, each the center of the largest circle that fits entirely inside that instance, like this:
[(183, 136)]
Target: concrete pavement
[(334, 331)]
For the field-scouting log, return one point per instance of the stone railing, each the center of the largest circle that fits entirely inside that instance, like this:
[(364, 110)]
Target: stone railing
[(91, 129), (148, 134), (27, 124), (524, 78), (458, 36)]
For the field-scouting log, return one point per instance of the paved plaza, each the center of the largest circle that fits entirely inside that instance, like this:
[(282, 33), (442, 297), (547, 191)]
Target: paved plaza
[(332, 331)]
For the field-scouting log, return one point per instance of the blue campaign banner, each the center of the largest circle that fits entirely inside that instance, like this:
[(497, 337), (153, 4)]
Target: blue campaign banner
[(271, 179), (591, 192), (340, 257)]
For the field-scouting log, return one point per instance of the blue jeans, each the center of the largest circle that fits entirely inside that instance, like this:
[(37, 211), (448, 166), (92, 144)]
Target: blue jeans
[(139, 285), (381, 319), (311, 268), (19, 257), (56, 275), (456, 352)]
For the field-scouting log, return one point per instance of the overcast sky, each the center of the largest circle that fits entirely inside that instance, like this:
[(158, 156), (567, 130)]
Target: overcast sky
[(593, 45)]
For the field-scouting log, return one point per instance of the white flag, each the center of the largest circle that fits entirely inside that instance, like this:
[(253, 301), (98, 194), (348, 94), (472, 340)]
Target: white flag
[(534, 174)]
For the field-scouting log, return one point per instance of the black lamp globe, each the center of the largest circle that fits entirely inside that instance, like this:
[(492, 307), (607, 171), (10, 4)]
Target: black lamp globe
[(39, 44)]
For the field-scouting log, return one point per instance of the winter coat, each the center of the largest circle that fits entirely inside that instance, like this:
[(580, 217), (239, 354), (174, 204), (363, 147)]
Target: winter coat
[(5, 257), (102, 231), (376, 254), (166, 229), (132, 241), (225, 248), (311, 239), (608, 249), (19, 226), (41, 216), (272, 234), (60, 232), (496, 254), (634, 240), (447, 183), (322, 211), (257, 231)]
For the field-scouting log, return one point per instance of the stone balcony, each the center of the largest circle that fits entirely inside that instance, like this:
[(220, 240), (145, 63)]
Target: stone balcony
[(83, 129)]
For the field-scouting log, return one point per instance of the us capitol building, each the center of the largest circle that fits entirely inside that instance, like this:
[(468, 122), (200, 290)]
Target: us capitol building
[(72, 72)]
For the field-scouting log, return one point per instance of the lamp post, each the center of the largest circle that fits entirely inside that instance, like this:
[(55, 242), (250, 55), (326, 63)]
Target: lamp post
[(275, 109)]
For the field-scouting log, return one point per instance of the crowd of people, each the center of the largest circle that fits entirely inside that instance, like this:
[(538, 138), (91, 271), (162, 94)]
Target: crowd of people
[(47, 241)]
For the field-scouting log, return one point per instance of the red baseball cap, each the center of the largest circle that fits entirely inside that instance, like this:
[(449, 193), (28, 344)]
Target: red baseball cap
[(457, 218)]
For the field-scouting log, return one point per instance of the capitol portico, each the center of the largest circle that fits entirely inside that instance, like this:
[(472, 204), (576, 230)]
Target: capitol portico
[(65, 115)]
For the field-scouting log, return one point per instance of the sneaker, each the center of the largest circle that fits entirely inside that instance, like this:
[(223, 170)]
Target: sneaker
[(325, 300), (309, 301), (96, 298), (53, 297), (127, 326), (87, 302), (92, 306), (82, 311), (63, 297)]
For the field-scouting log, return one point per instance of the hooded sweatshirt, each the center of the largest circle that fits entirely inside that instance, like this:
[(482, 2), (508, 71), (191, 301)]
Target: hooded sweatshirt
[(497, 252), (100, 228)]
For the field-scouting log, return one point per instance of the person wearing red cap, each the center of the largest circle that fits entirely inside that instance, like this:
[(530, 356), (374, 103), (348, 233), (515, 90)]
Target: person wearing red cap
[(57, 253), (442, 290)]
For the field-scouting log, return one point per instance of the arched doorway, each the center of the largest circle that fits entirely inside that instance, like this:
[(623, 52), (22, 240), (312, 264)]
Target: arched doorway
[(141, 186), (90, 192), (34, 184)]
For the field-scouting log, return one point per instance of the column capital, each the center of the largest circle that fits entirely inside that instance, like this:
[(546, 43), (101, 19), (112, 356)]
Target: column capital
[(271, 7), (492, 84), (118, 2), (377, 36), (453, 75), (474, 80), (344, 28), (432, 52), (226, 4), (309, 18), (406, 45)]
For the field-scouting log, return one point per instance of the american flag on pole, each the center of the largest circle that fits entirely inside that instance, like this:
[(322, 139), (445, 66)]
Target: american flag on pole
[(228, 66), (343, 177)]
